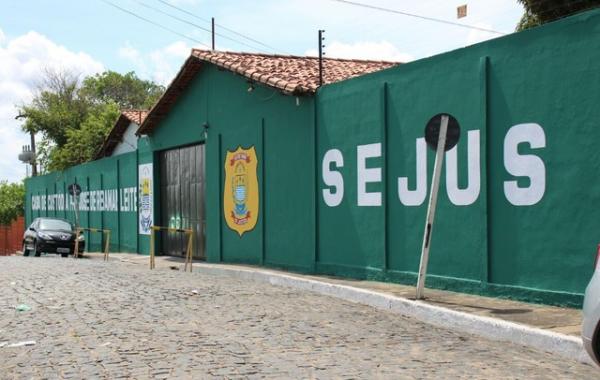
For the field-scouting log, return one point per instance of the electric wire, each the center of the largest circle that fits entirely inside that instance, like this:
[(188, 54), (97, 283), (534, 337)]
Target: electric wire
[(219, 25), (193, 24), (388, 10), (154, 23)]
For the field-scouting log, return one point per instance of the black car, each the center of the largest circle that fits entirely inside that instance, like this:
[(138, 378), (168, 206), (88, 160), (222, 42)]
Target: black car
[(51, 235)]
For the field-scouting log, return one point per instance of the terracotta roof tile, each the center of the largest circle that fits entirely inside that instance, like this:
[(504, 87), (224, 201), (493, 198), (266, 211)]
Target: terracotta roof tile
[(292, 75), (135, 116)]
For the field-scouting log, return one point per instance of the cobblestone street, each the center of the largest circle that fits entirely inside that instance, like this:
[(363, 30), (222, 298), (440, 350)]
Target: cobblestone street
[(91, 319)]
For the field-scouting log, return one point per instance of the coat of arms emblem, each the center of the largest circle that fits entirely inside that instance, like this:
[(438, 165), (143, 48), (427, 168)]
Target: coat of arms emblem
[(240, 199)]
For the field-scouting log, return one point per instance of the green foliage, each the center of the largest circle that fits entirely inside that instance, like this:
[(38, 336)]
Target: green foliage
[(528, 20), (538, 12), (74, 117), (12, 201), (83, 143), (56, 108), (128, 91)]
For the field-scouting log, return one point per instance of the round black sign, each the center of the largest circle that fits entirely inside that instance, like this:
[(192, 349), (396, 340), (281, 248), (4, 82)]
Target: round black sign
[(74, 189), (432, 131)]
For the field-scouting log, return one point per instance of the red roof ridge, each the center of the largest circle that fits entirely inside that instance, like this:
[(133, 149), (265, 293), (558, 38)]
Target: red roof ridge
[(292, 56)]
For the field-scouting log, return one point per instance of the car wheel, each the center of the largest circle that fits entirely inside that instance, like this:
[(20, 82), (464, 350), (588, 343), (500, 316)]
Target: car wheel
[(36, 251), (25, 250), (64, 255)]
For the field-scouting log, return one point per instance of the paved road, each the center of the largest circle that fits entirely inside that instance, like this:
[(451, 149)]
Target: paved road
[(92, 319)]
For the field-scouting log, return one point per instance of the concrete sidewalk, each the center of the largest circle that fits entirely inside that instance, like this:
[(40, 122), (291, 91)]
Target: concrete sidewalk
[(549, 328)]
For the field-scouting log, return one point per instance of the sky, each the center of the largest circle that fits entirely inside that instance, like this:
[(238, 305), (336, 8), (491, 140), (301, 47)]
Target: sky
[(91, 36)]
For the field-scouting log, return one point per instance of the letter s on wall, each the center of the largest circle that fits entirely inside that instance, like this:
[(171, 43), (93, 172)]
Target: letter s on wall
[(333, 178), (527, 165)]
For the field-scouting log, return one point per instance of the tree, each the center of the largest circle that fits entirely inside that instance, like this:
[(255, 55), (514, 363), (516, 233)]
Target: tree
[(12, 201), (128, 91), (83, 143), (56, 108), (538, 12), (74, 117)]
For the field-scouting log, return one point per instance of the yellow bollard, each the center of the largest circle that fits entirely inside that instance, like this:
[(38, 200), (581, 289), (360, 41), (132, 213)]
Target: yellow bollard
[(152, 247), (191, 251), (188, 255)]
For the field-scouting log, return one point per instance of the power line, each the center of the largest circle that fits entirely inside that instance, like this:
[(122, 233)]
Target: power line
[(417, 16), (219, 25), (154, 23), (192, 24)]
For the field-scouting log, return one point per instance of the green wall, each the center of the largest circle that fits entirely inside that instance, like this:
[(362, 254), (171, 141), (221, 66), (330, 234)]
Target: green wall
[(542, 250), (516, 214), (113, 209), (280, 128)]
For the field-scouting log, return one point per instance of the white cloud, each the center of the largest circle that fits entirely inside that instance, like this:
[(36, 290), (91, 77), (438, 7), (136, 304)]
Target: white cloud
[(159, 65), (381, 51), (178, 49), (129, 52), (23, 60)]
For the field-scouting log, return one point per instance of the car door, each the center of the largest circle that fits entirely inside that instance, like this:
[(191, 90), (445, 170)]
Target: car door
[(29, 234)]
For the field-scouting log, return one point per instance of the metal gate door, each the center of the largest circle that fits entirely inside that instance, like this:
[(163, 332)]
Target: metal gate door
[(182, 198)]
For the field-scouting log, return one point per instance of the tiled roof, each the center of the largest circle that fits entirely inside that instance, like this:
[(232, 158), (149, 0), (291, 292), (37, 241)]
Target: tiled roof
[(116, 134), (293, 75), (135, 116)]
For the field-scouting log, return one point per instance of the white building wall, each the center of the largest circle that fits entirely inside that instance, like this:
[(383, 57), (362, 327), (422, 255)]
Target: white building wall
[(129, 142)]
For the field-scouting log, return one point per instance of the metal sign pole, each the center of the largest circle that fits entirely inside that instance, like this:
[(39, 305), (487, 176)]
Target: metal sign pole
[(76, 253), (433, 195)]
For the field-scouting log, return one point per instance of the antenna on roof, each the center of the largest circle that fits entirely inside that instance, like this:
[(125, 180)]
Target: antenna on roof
[(213, 33), (321, 54)]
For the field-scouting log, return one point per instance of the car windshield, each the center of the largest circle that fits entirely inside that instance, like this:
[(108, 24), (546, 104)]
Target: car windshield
[(55, 224)]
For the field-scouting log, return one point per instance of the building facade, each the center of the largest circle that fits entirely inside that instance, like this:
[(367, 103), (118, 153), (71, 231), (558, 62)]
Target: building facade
[(269, 169)]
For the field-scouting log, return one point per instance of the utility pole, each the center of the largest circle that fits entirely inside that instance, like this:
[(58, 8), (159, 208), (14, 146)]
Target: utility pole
[(33, 163), (213, 33), (321, 54)]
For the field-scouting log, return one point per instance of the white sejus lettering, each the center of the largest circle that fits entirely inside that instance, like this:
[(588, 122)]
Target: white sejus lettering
[(467, 196), (332, 178), (367, 175), (530, 166), (527, 165), (417, 196)]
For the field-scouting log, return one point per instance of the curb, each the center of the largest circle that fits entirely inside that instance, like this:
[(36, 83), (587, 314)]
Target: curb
[(496, 329)]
